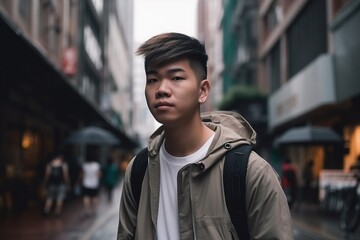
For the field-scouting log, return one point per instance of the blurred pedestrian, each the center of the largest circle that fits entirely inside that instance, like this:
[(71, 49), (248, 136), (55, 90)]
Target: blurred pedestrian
[(111, 177), (289, 181), (90, 176), (308, 178), (57, 182)]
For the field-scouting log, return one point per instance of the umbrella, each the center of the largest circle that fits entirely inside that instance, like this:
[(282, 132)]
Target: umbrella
[(94, 136), (308, 135)]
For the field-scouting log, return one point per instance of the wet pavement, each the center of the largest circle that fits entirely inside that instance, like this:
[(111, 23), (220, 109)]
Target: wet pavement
[(73, 224), (308, 221)]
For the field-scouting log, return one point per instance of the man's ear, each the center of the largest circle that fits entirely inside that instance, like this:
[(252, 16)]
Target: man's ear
[(204, 90)]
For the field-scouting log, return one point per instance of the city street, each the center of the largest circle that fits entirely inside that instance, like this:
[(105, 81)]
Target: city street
[(309, 224)]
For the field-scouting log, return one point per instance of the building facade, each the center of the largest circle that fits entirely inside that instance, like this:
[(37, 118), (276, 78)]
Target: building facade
[(52, 82), (118, 45), (308, 53), (240, 43), (209, 31), (241, 90)]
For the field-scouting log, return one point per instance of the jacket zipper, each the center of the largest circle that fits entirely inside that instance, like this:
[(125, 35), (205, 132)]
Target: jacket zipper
[(191, 197), (192, 205)]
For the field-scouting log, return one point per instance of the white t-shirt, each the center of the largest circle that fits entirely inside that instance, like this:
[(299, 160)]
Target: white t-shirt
[(91, 177), (168, 220)]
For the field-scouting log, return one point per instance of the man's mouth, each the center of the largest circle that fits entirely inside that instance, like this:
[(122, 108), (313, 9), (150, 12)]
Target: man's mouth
[(161, 105)]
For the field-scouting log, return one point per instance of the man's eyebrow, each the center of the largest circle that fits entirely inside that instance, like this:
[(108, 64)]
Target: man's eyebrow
[(151, 72), (174, 70), (171, 70)]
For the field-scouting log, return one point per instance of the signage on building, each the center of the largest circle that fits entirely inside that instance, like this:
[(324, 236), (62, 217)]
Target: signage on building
[(311, 88), (69, 61)]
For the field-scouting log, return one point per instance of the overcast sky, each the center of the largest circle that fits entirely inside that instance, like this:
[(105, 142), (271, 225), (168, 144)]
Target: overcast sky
[(158, 16)]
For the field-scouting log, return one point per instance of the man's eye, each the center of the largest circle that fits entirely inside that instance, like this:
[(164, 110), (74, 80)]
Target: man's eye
[(151, 80), (177, 78)]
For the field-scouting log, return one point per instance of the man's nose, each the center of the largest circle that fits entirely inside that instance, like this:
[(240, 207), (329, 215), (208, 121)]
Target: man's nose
[(163, 90)]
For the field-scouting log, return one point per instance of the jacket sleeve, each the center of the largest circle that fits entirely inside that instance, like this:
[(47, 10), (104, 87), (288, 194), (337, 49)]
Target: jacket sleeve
[(268, 212), (128, 209)]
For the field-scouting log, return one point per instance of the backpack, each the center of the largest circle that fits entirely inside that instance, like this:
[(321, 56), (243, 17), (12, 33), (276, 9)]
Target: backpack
[(56, 175), (234, 177)]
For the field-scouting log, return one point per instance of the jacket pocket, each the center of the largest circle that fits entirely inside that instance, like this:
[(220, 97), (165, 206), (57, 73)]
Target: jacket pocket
[(210, 228)]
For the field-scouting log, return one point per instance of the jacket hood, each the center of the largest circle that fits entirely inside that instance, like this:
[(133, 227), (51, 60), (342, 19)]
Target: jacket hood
[(233, 126), (230, 128)]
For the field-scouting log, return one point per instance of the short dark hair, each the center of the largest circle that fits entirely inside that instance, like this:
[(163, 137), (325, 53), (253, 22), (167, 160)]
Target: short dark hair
[(166, 47)]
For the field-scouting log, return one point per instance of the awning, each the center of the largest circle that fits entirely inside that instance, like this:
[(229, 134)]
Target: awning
[(308, 135), (93, 135), (23, 67)]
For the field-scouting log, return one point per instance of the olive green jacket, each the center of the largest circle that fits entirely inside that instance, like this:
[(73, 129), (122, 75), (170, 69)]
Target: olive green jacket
[(201, 202)]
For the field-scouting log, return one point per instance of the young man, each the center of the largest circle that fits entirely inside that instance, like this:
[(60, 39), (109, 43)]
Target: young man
[(182, 195)]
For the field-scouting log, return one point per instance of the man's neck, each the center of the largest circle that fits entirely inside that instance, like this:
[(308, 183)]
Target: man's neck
[(186, 139)]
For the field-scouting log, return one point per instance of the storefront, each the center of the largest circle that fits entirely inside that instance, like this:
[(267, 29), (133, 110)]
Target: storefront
[(326, 93)]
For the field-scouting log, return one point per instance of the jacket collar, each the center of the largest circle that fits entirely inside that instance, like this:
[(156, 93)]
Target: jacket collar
[(231, 130)]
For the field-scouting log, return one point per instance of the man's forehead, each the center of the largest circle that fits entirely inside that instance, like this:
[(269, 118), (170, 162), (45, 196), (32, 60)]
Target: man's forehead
[(173, 65)]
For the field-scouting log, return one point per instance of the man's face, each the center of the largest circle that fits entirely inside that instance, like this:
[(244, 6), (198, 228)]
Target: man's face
[(173, 92)]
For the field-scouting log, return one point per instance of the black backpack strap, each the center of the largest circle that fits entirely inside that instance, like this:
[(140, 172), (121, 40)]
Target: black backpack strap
[(138, 172), (235, 168)]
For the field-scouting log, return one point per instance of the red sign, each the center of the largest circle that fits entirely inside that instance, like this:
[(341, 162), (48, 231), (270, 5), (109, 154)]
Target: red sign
[(69, 61)]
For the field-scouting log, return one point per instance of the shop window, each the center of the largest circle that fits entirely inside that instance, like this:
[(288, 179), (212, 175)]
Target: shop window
[(30, 144), (23, 149), (21, 162)]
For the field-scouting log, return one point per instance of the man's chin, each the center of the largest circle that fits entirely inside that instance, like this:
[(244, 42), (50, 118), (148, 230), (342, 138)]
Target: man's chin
[(165, 120)]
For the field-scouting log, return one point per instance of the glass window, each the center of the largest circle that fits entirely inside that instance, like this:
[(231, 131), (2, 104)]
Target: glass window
[(307, 36), (273, 68)]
